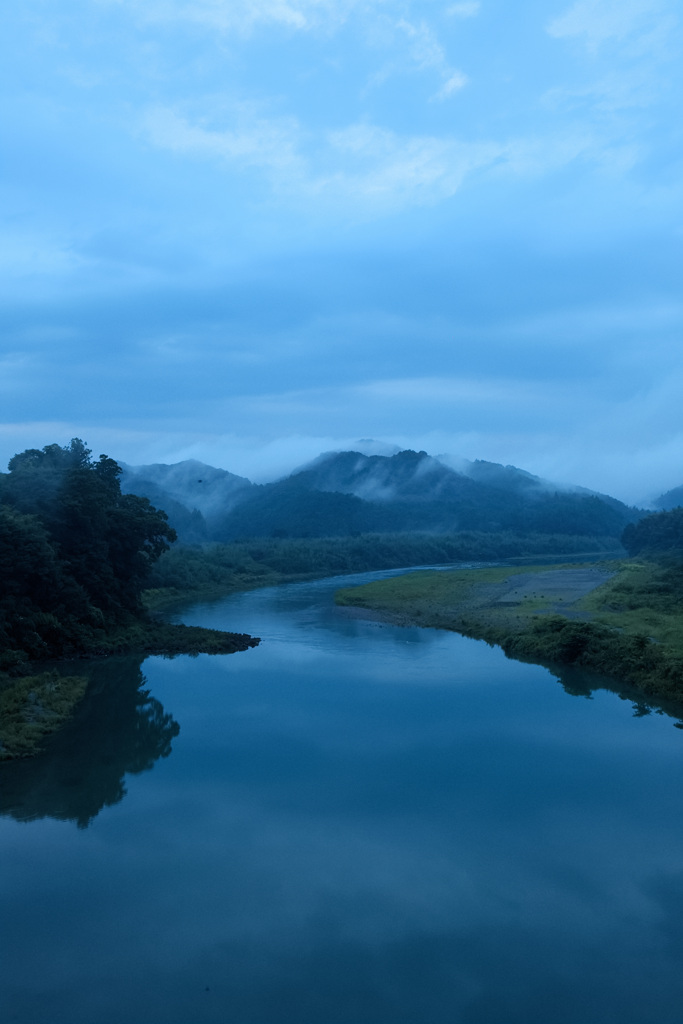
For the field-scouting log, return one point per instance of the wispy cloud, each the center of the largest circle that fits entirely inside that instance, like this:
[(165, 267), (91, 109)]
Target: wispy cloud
[(467, 9), (595, 22), (368, 163), (252, 142), (412, 169), (417, 47), (242, 16), (454, 83)]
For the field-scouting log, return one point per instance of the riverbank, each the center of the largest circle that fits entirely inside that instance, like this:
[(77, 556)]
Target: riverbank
[(36, 703), (213, 571), (620, 619)]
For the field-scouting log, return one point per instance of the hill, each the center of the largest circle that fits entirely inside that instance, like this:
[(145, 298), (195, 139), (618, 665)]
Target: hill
[(192, 494), (671, 499), (342, 494), (347, 493)]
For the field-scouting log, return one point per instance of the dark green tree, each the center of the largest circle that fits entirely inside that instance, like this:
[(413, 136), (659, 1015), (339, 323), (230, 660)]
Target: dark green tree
[(74, 551), (656, 535)]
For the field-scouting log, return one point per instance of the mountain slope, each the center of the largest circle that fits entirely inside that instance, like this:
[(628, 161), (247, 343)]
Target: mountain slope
[(191, 493), (348, 492), (671, 499)]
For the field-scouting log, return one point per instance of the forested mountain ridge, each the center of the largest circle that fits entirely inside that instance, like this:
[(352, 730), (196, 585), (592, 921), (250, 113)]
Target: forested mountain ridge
[(347, 493), (671, 499)]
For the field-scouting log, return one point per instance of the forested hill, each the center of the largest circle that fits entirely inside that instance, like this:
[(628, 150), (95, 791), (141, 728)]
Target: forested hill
[(658, 536), (348, 493), (193, 494), (672, 499)]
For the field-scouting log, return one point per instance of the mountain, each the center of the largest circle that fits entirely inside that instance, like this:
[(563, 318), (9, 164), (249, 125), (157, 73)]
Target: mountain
[(349, 493), (344, 493), (192, 494), (671, 499)]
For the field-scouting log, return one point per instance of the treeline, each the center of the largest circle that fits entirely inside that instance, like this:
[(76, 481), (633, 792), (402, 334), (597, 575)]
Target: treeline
[(75, 553), (652, 668), (220, 568), (658, 535)]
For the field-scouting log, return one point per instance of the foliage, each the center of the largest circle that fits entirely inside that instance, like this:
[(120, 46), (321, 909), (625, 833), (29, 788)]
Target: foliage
[(34, 706), (656, 535), (75, 552), (649, 666), (222, 568), (346, 493), (633, 634)]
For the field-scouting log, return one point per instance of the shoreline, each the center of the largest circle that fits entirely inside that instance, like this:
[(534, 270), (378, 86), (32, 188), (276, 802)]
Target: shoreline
[(561, 617), (37, 702)]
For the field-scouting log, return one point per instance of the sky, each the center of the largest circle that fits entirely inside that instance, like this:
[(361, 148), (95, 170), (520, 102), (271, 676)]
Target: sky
[(248, 231)]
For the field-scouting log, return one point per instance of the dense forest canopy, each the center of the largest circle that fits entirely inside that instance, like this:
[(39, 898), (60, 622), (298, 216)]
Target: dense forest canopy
[(74, 551), (656, 535)]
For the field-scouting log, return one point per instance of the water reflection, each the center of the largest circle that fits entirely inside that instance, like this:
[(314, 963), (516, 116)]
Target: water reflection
[(361, 824), (118, 729), (578, 682)]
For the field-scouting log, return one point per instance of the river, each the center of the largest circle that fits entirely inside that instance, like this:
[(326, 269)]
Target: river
[(353, 823)]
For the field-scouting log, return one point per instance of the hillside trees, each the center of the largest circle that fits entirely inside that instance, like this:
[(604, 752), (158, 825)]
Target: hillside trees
[(74, 551), (660, 534)]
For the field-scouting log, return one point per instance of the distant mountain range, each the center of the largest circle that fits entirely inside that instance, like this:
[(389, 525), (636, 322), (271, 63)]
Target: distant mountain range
[(348, 493)]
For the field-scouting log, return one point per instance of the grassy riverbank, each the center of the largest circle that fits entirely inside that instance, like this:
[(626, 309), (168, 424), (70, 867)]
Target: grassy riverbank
[(35, 704), (31, 707), (620, 619)]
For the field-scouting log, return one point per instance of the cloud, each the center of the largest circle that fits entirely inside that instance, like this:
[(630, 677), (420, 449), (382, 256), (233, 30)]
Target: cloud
[(467, 9), (461, 390), (369, 162), (423, 52), (253, 142), (453, 84), (242, 16), (397, 169), (597, 21)]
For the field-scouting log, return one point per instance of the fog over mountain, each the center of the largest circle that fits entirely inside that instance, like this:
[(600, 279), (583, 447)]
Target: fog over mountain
[(192, 483), (349, 492), (671, 499)]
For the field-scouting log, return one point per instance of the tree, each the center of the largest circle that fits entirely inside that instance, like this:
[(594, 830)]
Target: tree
[(71, 545), (658, 534)]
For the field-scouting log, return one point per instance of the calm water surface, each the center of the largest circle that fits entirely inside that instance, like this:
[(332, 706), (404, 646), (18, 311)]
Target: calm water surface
[(351, 823)]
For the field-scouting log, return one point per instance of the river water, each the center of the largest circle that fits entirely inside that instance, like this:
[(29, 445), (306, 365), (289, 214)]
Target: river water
[(353, 823)]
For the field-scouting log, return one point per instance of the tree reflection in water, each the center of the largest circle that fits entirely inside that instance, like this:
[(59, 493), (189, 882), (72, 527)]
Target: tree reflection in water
[(118, 728)]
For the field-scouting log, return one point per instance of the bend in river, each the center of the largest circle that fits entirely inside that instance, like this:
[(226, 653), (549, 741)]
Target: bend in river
[(352, 822)]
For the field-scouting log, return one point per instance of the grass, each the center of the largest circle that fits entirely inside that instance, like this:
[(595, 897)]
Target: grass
[(461, 599), (628, 628), (640, 601), (32, 707)]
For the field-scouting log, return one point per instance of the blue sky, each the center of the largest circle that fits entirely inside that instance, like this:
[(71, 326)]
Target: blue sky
[(247, 231)]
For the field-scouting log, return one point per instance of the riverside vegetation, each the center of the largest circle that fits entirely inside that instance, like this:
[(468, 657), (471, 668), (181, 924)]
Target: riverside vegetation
[(624, 620), (214, 570), (75, 555), (83, 565)]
